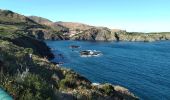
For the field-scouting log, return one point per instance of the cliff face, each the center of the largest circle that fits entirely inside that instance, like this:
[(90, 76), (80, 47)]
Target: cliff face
[(52, 32), (145, 37), (96, 34), (39, 47), (105, 34)]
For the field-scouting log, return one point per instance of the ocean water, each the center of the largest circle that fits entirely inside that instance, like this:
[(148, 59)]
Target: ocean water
[(143, 68)]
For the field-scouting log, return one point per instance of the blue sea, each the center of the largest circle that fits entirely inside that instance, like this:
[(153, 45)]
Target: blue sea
[(143, 68)]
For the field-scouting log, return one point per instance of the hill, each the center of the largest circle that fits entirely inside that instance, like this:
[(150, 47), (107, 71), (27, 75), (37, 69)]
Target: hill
[(96, 34), (18, 29), (49, 23), (74, 26)]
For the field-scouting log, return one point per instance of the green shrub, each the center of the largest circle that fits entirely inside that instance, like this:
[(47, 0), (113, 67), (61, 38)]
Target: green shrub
[(107, 89), (67, 83)]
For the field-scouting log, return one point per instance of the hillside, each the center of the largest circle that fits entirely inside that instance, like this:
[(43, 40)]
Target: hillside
[(11, 18), (145, 37), (49, 23), (41, 20), (96, 34), (74, 26), (15, 22)]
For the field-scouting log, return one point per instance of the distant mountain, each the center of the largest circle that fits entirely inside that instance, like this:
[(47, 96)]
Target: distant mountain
[(41, 20), (49, 23), (74, 26)]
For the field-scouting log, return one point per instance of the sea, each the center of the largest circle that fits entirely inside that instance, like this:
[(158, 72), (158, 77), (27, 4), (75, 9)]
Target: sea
[(142, 67)]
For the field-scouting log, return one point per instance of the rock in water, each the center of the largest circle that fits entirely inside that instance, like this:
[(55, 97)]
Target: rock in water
[(90, 53)]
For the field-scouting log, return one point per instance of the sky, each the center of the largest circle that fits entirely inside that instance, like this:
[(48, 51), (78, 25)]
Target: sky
[(130, 15)]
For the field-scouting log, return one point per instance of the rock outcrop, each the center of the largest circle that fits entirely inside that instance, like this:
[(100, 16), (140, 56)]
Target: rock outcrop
[(145, 37), (96, 34)]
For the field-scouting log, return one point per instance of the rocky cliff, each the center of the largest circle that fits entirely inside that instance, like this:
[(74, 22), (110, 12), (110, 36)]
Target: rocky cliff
[(105, 34), (96, 34), (145, 37)]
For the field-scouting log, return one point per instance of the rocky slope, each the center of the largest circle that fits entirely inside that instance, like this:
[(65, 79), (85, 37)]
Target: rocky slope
[(74, 26), (49, 23), (54, 31), (96, 34), (16, 29), (12, 22)]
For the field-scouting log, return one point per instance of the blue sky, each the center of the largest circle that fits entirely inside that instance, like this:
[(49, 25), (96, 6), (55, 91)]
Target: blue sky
[(130, 15)]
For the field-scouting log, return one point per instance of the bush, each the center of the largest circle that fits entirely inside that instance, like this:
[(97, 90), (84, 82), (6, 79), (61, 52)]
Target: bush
[(67, 83), (107, 89)]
